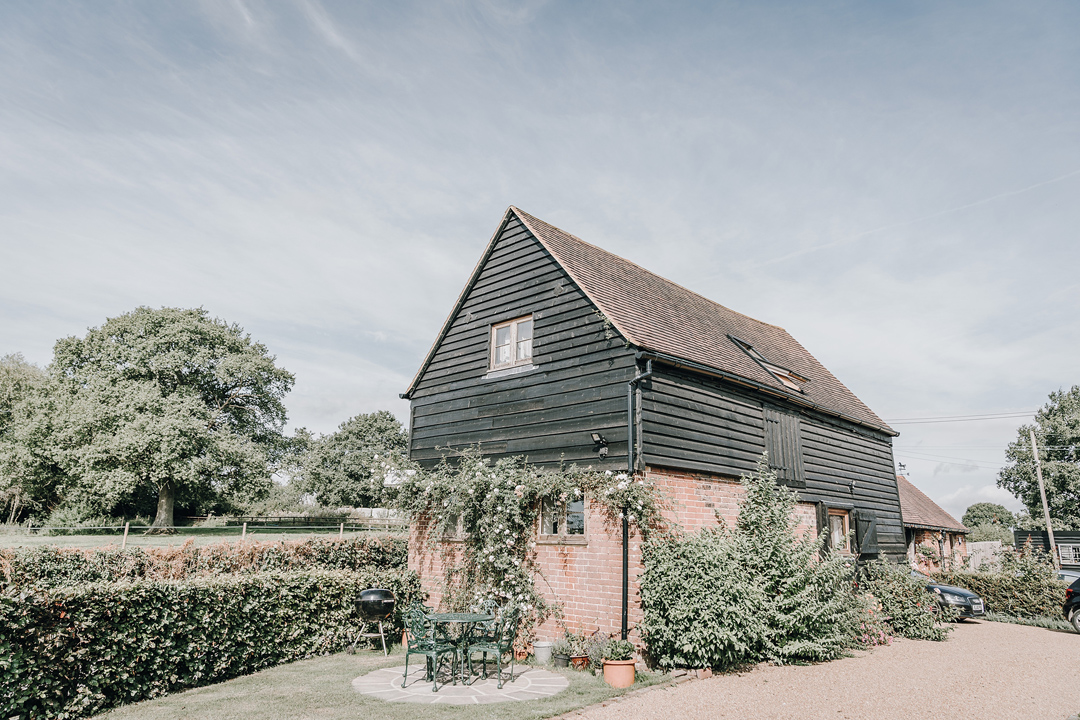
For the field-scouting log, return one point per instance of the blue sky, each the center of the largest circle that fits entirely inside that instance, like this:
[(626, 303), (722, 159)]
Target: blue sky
[(896, 184)]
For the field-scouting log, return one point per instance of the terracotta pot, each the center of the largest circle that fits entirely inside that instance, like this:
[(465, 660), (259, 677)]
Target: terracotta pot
[(562, 660), (521, 654), (580, 662), (619, 673)]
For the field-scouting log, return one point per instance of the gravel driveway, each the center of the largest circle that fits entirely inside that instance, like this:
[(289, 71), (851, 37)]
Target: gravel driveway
[(985, 671)]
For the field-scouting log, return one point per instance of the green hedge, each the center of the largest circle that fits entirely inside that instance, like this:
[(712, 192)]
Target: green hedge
[(1026, 587), (71, 652), (906, 607), (49, 566)]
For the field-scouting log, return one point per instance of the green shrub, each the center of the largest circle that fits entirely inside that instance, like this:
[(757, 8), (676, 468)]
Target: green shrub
[(1026, 587), (906, 607), (71, 652), (722, 598), (48, 566)]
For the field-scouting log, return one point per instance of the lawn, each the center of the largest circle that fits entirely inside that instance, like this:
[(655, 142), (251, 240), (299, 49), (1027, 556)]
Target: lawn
[(321, 688)]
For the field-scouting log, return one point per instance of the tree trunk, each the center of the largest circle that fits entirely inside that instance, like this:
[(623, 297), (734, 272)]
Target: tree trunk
[(166, 500)]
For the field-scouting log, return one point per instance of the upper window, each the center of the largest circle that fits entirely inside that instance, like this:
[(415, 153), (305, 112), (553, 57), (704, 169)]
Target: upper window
[(511, 343)]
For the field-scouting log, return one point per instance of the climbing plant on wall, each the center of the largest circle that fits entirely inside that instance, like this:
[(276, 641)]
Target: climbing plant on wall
[(492, 507)]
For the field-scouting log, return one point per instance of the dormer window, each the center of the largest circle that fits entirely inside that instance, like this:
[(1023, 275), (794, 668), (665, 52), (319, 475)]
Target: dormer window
[(789, 379), (511, 343)]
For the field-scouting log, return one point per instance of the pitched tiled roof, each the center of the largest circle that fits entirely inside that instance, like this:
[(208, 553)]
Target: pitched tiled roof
[(920, 511), (660, 316)]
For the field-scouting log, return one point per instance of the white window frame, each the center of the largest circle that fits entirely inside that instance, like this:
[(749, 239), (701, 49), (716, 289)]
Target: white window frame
[(515, 361)]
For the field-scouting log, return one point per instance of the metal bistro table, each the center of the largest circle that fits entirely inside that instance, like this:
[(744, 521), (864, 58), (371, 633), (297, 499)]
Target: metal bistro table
[(466, 621)]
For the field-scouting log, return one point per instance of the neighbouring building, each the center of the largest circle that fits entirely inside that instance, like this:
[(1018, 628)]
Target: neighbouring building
[(935, 539), (562, 352), (1067, 542)]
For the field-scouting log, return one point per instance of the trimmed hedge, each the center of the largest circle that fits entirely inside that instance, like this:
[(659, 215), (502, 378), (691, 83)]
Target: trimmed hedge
[(1028, 593), (907, 608), (75, 651), (49, 566)]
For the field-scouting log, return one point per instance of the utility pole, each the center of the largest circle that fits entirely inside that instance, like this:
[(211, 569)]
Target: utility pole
[(1046, 508)]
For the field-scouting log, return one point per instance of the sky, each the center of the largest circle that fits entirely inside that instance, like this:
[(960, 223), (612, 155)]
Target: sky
[(894, 183)]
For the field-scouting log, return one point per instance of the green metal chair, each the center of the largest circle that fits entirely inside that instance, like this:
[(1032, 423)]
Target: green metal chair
[(423, 640), (497, 638)]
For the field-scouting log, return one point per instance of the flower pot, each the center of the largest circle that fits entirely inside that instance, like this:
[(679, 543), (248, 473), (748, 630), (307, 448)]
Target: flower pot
[(542, 651), (520, 655), (619, 673), (580, 662), (562, 661)]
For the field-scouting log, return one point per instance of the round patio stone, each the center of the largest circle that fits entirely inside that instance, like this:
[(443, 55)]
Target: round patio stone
[(529, 683)]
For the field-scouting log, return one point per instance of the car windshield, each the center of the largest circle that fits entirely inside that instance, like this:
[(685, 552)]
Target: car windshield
[(920, 576)]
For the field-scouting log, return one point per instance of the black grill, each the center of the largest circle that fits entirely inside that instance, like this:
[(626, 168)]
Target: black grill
[(375, 604)]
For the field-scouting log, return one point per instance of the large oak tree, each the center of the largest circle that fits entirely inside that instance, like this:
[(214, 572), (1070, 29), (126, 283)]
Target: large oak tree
[(170, 400), (1057, 432)]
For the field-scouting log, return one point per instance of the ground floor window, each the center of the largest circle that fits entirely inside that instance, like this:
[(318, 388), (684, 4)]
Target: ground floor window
[(838, 529), (562, 520)]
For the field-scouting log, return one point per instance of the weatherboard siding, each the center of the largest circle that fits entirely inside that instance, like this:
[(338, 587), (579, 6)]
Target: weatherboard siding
[(701, 424), (548, 413)]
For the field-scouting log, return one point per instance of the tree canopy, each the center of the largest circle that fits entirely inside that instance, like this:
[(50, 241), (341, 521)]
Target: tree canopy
[(1057, 432), (345, 468), (987, 513), (166, 400)]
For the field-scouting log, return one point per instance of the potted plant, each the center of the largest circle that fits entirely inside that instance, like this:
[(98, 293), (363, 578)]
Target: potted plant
[(619, 664), (560, 650), (579, 651)]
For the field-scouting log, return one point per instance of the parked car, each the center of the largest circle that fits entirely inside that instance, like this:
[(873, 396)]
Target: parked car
[(1071, 608), (1068, 576), (966, 603)]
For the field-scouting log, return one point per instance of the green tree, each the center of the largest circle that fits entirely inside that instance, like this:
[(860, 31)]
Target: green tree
[(986, 513), (1057, 431), (18, 379), (345, 468), (171, 401)]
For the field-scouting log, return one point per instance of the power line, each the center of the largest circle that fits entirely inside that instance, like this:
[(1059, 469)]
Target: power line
[(961, 418), (938, 458)]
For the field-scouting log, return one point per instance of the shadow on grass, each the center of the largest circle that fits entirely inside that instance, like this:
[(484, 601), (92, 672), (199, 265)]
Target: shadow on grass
[(322, 688)]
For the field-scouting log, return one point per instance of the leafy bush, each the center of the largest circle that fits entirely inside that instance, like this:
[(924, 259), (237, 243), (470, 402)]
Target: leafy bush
[(1026, 586), (47, 566), (71, 652), (618, 650), (905, 605), (722, 598)]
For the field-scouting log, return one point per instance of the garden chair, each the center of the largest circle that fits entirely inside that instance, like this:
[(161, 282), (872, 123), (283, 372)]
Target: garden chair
[(498, 640), (423, 640)]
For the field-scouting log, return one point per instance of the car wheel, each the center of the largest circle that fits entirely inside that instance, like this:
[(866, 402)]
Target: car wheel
[(1075, 620)]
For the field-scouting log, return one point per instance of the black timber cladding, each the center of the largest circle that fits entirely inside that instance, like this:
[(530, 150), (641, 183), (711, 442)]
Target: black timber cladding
[(695, 422), (577, 386)]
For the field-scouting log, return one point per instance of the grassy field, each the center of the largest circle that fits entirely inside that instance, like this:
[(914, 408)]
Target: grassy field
[(138, 539), (321, 688)]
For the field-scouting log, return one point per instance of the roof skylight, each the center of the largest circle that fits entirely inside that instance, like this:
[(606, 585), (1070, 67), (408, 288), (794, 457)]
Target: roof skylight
[(788, 378)]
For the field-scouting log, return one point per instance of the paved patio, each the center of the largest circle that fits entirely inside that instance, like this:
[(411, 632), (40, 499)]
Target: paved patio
[(529, 683)]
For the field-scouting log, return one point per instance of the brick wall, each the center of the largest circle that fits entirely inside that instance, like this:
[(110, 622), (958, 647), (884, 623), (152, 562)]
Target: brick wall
[(955, 550), (586, 579)]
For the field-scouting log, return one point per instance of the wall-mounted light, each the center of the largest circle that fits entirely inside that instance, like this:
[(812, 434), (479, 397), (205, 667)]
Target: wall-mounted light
[(601, 445)]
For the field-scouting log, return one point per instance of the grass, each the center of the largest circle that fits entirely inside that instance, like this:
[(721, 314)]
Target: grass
[(201, 536), (321, 688), (1044, 622)]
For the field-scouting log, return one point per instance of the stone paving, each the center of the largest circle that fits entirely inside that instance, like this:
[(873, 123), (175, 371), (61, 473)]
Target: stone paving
[(529, 683)]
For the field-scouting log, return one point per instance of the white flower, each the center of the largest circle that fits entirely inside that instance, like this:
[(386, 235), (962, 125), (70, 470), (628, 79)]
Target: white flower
[(621, 476), (376, 457), (506, 531), (622, 485), (630, 518), (620, 516), (606, 472)]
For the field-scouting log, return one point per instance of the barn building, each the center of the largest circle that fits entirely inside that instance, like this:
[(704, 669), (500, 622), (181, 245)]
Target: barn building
[(560, 351)]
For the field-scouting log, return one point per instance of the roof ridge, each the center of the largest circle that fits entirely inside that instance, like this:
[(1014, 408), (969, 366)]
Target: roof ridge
[(520, 212)]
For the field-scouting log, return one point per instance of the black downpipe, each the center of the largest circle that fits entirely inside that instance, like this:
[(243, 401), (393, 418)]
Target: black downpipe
[(625, 522)]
